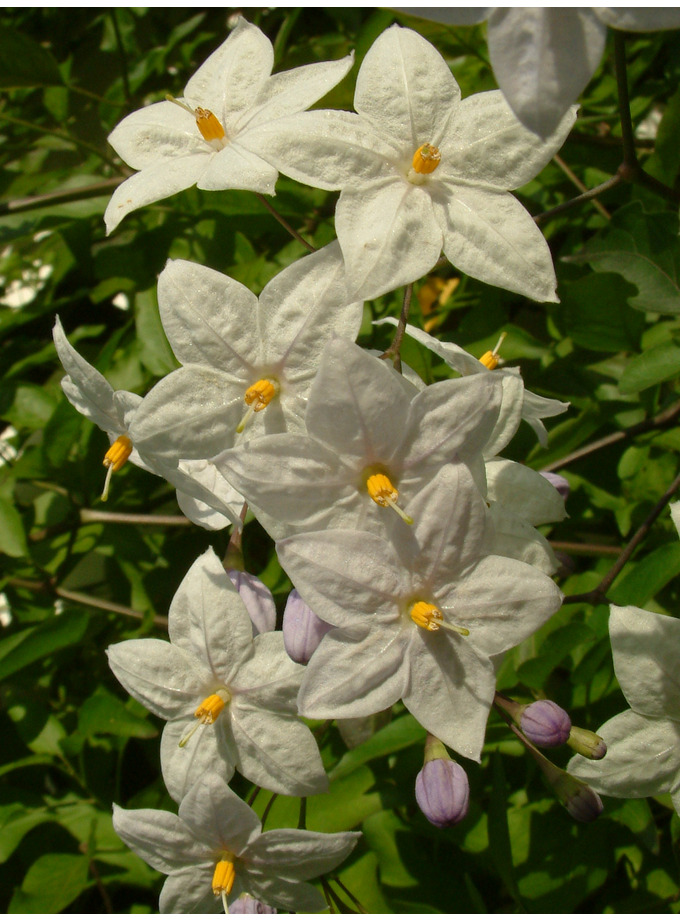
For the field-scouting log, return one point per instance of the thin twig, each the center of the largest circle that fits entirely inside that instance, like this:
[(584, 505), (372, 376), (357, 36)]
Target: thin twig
[(393, 352), (586, 196), (123, 57), (284, 223), (630, 160), (362, 909), (664, 419), (585, 549), (571, 175), (18, 205), (268, 808), (599, 594), (92, 515)]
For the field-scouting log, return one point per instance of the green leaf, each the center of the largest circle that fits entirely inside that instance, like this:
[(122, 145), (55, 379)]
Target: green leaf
[(499, 835), (23, 62), (104, 714), (30, 645), (595, 314), (644, 248), (660, 362), (155, 353), (648, 577), (399, 734), (52, 883), (12, 534)]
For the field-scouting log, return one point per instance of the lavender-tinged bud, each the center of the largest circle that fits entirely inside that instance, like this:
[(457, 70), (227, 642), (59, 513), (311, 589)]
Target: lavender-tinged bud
[(248, 905), (545, 723), (582, 802), (442, 788), (302, 629), (587, 743), (559, 482), (258, 600)]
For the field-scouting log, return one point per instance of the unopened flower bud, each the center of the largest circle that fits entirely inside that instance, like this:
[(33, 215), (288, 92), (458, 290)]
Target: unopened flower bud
[(442, 788), (302, 629), (582, 802), (559, 482), (257, 598), (587, 743), (545, 723), (248, 905)]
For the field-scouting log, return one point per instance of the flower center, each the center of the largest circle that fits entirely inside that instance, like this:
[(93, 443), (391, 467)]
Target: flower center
[(490, 359), (223, 878), (114, 458), (430, 617), (383, 493), (426, 159), (258, 396), (207, 712), (207, 123)]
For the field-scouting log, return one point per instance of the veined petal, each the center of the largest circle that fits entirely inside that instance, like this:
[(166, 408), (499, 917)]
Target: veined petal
[(296, 897), (206, 750), (489, 235), (159, 837), (299, 854), (356, 406), (543, 58), (208, 619), (167, 680), (510, 413), (405, 89), (268, 679), (643, 757), (216, 815), (451, 690), (488, 145), (502, 601), (639, 19), (154, 183), (303, 307), (295, 90), (236, 166), (512, 536), (201, 512), (233, 75), (277, 752), (158, 132), (524, 491), (452, 354), (189, 891), (389, 234), (646, 649), (191, 414), (326, 149), (208, 318), (348, 678)]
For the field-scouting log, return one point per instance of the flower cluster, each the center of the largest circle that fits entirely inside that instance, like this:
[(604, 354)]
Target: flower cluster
[(411, 543)]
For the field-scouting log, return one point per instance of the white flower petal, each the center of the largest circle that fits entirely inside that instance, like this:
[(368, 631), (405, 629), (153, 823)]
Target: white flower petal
[(205, 750), (523, 491), (406, 89), (159, 837), (217, 816), (543, 58), (159, 132), (300, 855), (639, 19), (489, 235), (236, 166), (675, 515), (269, 679), (189, 891), (513, 537), (646, 649)]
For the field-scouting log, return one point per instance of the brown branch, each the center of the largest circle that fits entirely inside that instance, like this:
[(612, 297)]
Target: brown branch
[(92, 515), (585, 549), (284, 223), (393, 351), (18, 205), (586, 196), (571, 175)]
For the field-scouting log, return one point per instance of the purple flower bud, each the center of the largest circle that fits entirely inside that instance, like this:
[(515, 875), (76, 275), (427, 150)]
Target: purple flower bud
[(582, 802), (545, 723), (258, 600), (302, 629), (443, 792), (587, 743), (248, 905), (559, 482)]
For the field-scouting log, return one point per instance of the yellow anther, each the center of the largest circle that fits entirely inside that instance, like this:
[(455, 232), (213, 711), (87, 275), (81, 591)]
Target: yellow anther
[(490, 359), (384, 494), (430, 617), (258, 396), (211, 707), (209, 125), (223, 877), (426, 159), (114, 458)]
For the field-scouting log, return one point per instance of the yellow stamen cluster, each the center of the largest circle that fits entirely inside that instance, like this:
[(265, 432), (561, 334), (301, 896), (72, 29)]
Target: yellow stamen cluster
[(114, 458), (258, 396), (490, 359), (223, 877), (426, 159), (384, 494), (429, 617), (210, 708), (209, 125)]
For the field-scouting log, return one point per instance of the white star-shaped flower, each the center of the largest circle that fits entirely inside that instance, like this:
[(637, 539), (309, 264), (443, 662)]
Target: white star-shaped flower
[(248, 362), (214, 848), (543, 57), (643, 743), (205, 139), (203, 494), (371, 445), (421, 170), (419, 618), (228, 697)]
